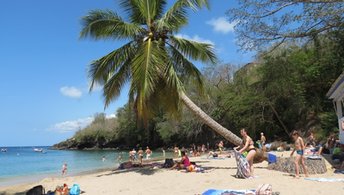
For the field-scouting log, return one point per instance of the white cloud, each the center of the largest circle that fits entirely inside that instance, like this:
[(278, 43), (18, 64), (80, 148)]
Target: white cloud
[(72, 125), (111, 116), (222, 25), (72, 92), (195, 38)]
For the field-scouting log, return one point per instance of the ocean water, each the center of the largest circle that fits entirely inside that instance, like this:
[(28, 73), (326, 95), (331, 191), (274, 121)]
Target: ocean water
[(23, 164)]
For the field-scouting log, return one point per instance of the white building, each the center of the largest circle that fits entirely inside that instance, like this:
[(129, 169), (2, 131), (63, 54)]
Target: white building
[(336, 93)]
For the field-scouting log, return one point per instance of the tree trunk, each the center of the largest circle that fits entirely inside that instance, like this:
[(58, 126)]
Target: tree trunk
[(279, 118), (228, 135)]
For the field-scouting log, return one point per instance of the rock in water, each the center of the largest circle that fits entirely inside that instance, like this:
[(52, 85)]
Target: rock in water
[(287, 165)]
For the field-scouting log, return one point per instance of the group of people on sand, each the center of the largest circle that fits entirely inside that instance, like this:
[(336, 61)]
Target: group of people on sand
[(248, 147), (193, 150), (133, 155)]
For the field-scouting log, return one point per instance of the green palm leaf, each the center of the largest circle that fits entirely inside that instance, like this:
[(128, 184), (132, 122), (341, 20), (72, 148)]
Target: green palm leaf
[(186, 69), (100, 24), (131, 7), (146, 69), (176, 16), (115, 83), (100, 70), (194, 50)]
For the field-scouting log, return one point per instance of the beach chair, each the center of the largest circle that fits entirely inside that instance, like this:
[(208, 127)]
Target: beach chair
[(37, 190), (243, 168)]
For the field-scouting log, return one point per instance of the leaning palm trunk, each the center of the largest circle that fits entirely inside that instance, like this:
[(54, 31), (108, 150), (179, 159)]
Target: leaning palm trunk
[(228, 135)]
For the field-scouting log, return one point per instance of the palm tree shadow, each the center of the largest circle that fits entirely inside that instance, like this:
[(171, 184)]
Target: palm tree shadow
[(140, 170)]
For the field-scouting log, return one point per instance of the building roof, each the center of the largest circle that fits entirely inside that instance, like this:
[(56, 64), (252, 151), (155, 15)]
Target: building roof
[(336, 91)]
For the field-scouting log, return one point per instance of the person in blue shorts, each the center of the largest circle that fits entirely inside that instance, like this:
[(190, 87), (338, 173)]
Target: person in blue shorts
[(299, 148)]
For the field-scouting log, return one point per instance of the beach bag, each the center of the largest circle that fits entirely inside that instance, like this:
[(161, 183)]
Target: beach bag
[(243, 168), (37, 190), (168, 163), (264, 189), (75, 190)]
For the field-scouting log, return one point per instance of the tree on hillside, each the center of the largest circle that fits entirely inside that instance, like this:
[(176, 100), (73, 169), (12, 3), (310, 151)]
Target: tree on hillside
[(154, 61), (262, 22)]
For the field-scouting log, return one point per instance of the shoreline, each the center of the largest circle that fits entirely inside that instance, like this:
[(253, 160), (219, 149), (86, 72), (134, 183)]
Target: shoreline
[(19, 180), (218, 174)]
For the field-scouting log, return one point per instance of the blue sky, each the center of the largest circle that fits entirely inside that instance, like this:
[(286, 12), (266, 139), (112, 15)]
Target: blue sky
[(43, 78)]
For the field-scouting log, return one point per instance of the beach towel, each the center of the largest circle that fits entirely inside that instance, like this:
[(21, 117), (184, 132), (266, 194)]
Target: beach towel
[(264, 189), (228, 192), (315, 157), (326, 179), (243, 168)]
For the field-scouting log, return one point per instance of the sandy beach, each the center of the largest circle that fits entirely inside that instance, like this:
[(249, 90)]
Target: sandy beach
[(218, 174)]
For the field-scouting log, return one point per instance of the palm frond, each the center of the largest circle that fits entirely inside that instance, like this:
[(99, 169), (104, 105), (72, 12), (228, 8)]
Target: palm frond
[(101, 70), (115, 83), (186, 69), (106, 24), (131, 7), (151, 10), (176, 16), (194, 50), (146, 68)]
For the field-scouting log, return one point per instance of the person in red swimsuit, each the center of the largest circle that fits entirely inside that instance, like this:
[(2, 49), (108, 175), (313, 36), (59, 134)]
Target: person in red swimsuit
[(184, 162)]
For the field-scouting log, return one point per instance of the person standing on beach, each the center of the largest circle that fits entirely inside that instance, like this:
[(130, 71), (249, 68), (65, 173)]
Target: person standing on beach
[(176, 151), (248, 145), (64, 169), (148, 153), (140, 153), (262, 141), (220, 145), (119, 158), (299, 148)]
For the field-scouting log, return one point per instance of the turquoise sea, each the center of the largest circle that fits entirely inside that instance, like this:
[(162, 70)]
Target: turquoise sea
[(23, 164)]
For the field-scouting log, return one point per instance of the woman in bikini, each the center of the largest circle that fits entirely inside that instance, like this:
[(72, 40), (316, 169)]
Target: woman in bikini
[(299, 148), (249, 147)]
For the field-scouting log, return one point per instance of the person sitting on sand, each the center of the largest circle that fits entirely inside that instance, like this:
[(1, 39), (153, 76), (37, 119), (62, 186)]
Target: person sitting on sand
[(65, 190), (299, 148), (184, 162), (248, 146), (212, 154), (311, 140), (58, 190)]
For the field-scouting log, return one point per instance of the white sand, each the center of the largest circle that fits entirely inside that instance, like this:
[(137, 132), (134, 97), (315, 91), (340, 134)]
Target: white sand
[(219, 174)]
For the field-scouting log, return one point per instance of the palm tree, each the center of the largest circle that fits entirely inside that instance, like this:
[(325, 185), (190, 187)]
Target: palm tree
[(153, 61)]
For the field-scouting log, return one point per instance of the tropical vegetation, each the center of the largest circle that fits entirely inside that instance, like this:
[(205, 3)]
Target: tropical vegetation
[(281, 90)]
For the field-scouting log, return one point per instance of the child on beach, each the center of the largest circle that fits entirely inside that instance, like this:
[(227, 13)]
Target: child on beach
[(64, 169), (299, 148)]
